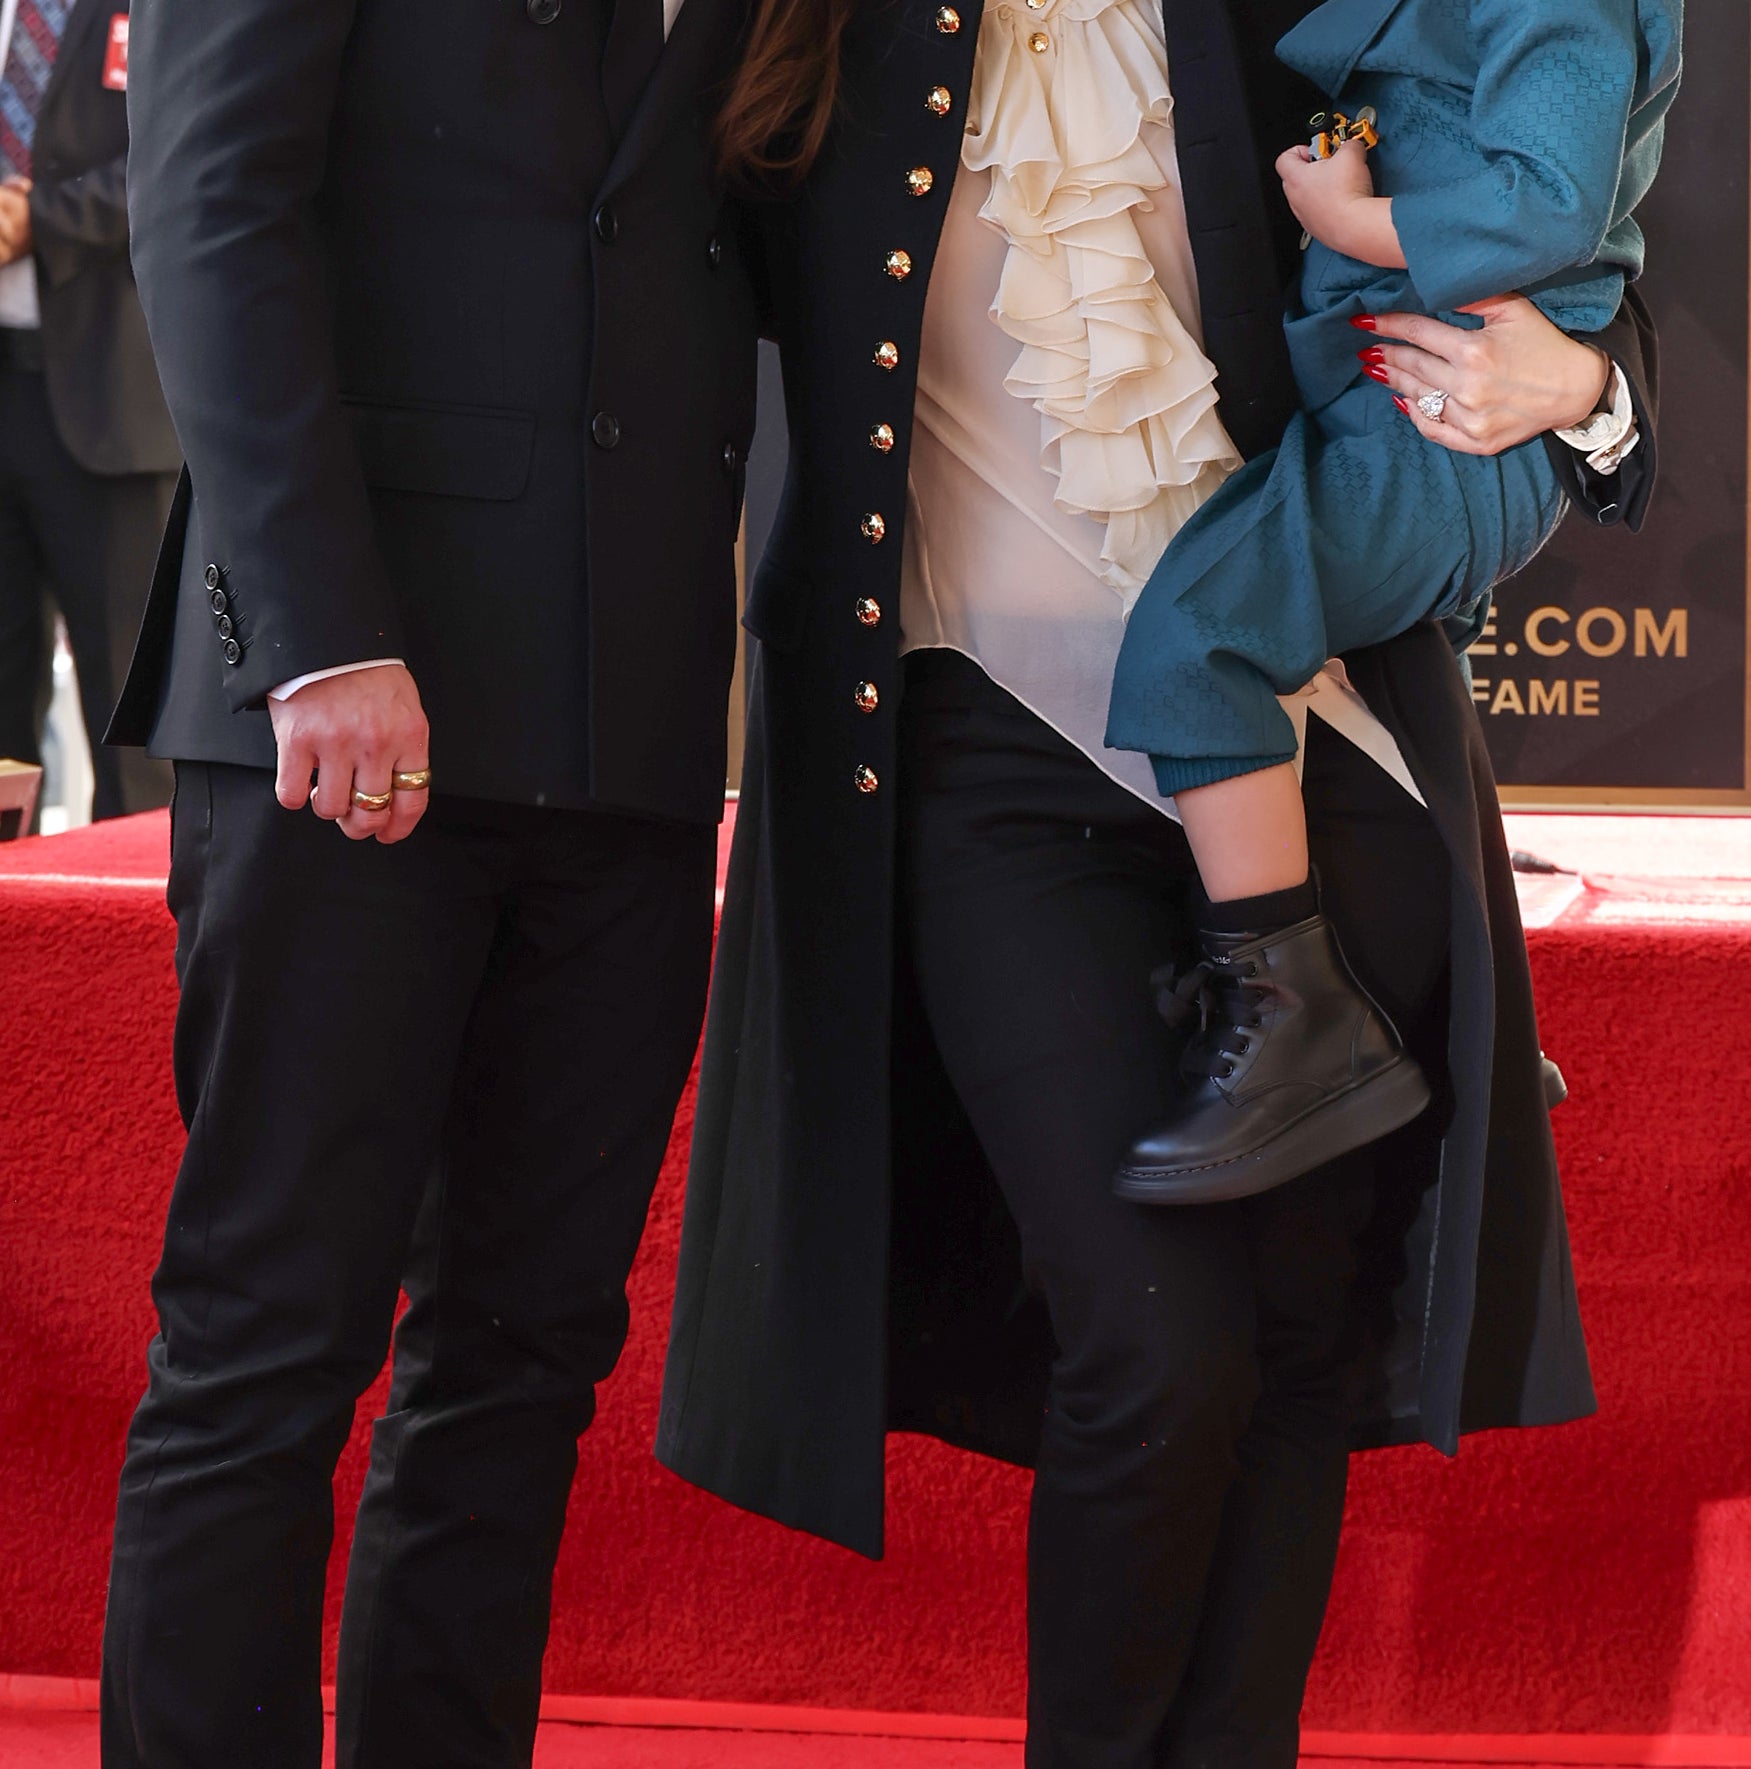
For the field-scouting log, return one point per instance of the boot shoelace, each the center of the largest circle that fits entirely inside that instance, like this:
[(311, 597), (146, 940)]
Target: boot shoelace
[(1226, 1000)]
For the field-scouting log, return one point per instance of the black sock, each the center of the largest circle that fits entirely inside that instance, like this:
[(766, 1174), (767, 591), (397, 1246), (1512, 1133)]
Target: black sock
[(1262, 915)]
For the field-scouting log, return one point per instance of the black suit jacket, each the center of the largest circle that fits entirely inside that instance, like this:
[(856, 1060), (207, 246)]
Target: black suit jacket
[(465, 375), (103, 387)]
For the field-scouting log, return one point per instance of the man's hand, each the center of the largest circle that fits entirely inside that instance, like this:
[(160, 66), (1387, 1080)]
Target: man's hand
[(355, 733), (15, 232), (1515, 379)]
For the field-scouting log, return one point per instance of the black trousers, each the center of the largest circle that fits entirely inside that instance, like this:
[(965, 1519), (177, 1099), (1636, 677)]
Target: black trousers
[(85, 543), (1191, 1480), (451, 1065)]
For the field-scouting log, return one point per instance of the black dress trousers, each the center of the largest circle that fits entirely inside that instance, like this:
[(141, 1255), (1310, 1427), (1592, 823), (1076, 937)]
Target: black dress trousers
[(450, 1064), (85, 541), (1191, 1477)]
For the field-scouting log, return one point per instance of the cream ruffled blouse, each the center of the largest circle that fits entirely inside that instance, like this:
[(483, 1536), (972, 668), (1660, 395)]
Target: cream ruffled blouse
[(1066, 424)]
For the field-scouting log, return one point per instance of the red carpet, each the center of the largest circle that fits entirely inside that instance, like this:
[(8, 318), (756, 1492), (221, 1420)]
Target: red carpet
[(1590, 1581)]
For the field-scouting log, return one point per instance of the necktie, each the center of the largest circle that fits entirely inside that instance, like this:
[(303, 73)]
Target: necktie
[(36, 41), (635, 45)]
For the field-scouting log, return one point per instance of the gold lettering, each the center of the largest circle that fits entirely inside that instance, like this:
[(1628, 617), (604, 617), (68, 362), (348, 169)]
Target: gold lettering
[(1615, 624), (1674, 636), (1535, 623), (1485, 643), (1480, 690), (1586, 700), (1550, 697), (1507, 698)]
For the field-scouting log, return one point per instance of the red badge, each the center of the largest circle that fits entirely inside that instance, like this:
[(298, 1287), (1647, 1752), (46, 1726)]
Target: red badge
[(115, 60)]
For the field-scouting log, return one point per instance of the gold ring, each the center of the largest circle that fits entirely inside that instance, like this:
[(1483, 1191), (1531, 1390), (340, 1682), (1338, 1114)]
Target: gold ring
[(418, 780), (372, 801)]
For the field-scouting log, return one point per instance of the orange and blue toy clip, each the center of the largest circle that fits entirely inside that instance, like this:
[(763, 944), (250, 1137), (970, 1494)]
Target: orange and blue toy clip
[(1331, 131)]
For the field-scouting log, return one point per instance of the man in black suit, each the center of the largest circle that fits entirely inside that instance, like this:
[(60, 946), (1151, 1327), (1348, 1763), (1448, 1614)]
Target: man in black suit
[(88, 457), (461, 353)]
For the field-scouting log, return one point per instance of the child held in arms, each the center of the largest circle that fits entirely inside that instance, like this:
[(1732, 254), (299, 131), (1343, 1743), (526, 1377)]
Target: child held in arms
[(1498, 145)]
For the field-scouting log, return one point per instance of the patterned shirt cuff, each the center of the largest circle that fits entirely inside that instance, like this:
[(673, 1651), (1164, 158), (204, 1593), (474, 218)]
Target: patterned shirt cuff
[(1610, 436)]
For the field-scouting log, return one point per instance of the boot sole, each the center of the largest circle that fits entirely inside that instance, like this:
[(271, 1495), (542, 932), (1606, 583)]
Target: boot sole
[(1369, 1111)]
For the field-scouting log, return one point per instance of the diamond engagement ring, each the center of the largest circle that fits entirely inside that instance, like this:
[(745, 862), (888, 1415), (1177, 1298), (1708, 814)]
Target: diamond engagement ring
[(1433, 405)]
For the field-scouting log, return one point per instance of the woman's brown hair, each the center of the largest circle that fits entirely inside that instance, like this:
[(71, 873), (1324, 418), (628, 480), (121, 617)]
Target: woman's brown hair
[(781, 100)]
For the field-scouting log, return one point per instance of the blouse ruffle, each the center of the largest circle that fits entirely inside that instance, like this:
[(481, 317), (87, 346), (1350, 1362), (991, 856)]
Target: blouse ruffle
[(1076, 139)]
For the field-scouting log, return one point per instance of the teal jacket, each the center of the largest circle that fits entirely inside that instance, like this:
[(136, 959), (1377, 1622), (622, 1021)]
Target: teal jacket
[(1517, 138)]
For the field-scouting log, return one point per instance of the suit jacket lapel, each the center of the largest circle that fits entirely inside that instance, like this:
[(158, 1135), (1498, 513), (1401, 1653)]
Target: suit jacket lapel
[(703, 39), (81, 22)]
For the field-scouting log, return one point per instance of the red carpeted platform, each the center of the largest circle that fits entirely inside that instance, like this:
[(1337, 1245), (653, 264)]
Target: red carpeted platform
[(1592, 1584)]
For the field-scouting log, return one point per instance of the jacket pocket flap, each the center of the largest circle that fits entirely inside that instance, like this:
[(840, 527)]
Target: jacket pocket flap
[(445, 451)]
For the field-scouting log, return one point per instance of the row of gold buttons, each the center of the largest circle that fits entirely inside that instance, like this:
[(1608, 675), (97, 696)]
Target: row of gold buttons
[(920, 182)]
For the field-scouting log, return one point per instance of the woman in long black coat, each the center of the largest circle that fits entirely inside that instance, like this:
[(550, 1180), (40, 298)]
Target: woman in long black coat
[(931, 1021)]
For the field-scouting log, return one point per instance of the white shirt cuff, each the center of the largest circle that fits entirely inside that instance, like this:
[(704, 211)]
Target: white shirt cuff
[(1609, 437), (286, 690)]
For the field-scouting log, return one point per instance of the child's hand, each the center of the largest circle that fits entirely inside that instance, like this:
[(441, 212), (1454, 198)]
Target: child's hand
[(1334, 200)]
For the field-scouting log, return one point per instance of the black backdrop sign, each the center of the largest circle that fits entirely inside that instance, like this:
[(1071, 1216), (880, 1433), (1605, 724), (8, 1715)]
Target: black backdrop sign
[(1618, 671)]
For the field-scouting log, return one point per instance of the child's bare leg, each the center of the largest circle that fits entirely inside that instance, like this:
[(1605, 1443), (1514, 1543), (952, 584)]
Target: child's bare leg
[(1248, 834)]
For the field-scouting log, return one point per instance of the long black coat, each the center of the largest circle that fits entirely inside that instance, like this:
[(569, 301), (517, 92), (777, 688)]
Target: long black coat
[(462, 354), (847, 1266)]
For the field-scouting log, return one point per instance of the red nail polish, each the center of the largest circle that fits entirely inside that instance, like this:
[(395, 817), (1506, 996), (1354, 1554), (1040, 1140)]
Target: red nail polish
[(1375, 372), (1373, 355), (1365, 322), (1404, 405)]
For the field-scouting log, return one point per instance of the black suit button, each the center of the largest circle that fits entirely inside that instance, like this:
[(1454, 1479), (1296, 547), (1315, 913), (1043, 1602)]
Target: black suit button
[(607, 224), (732, 458), (714, 251), (605, 427), (218, 602), (233, 652), (211, 577), (225, 627), (542, 12)]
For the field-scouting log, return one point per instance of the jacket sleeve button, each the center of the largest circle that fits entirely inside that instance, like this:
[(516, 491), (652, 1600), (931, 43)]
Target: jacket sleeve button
[(869, 611), (217, 602), (714, 252), (865, 779), (542, 12), (732, 458), (607, 224), (225, 627), (605, 428), (233, 652), (210, 577), (875, 528)]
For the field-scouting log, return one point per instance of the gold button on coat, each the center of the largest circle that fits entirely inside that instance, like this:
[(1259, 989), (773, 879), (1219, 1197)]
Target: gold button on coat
[(948, 21), (939, 100), (920, 181), (869, 611), (867, 697), (1039, 42), (875, 528), (865, 777), (887, 355), (899, 264), (881, 438)]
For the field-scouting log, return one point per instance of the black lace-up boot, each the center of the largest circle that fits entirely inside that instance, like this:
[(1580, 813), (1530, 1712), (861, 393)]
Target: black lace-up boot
[(1292, 1066)]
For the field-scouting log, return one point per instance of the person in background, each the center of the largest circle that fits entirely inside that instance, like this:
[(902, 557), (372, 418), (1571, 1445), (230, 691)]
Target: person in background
[(88, 455)]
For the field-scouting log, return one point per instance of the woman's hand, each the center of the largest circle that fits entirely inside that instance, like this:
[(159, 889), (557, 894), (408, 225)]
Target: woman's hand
[(1515, 379)]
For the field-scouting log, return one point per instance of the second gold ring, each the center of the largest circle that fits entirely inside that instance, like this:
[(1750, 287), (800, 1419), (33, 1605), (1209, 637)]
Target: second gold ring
[(372, 801)]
